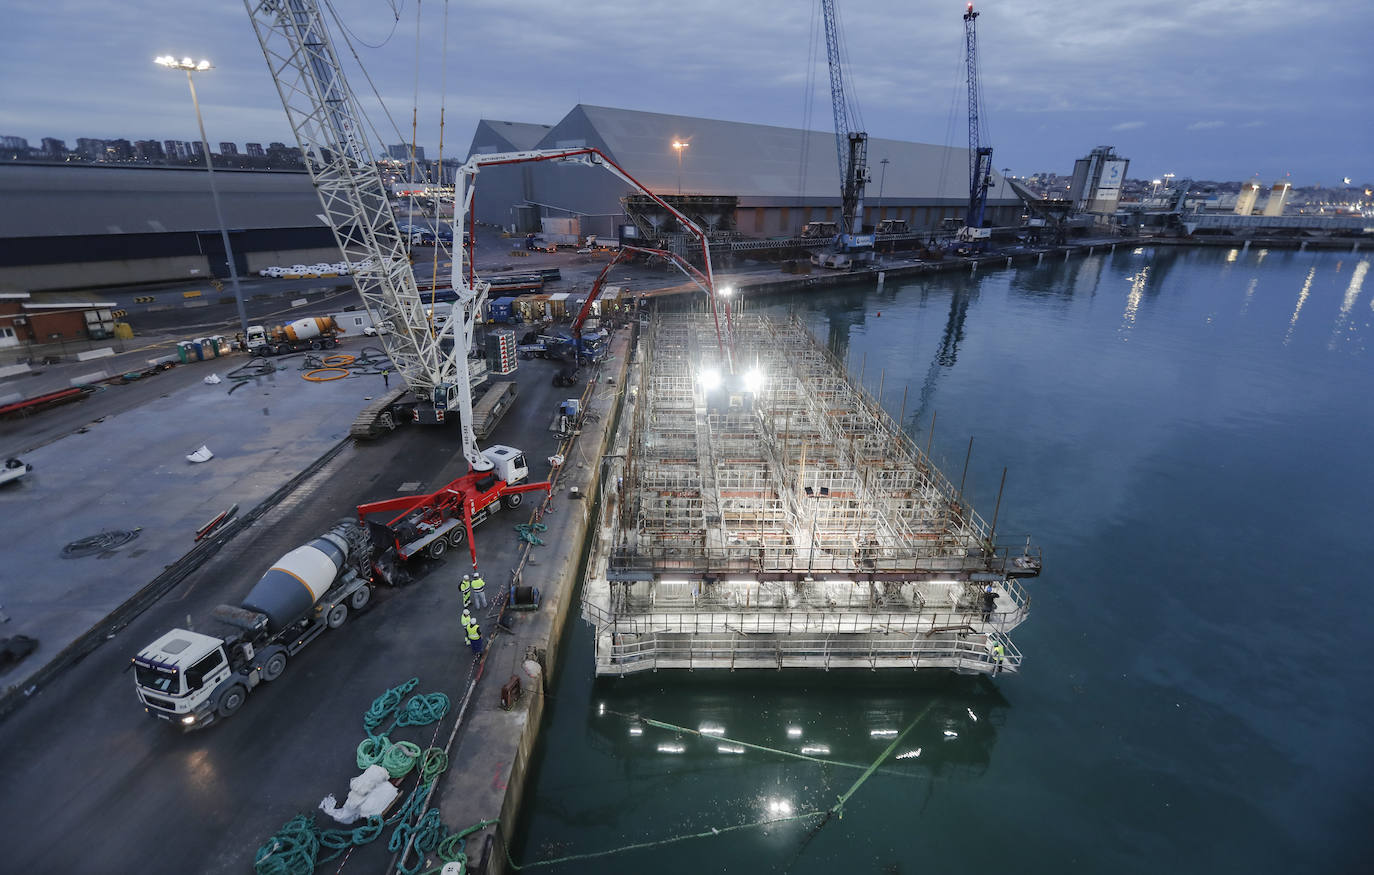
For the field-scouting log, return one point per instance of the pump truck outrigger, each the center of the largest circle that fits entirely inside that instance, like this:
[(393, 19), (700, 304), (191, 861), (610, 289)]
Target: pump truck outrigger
[(194, 678), (433, 523)]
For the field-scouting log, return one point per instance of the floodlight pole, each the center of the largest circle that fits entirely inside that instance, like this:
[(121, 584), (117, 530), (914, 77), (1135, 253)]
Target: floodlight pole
[(219, 213)]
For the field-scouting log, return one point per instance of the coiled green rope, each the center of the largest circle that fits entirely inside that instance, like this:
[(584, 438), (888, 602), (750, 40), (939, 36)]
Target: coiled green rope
[(422, 709), (372, 749), (295, 848), (386, 704), (400, 758), (291, 851)]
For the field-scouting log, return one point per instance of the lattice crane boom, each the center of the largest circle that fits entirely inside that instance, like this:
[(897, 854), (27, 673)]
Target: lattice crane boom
[(851, 147), (979, 156), (329, 128)]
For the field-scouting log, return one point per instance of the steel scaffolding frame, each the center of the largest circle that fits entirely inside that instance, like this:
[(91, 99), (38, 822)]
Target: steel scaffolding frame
[(798, 509)]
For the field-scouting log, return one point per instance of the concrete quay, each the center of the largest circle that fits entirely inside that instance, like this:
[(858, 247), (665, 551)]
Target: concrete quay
[(492, 748), (127, 471)]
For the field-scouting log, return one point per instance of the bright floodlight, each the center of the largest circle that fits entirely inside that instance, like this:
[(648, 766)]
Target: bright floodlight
[(678, 145), (753, 381), (183, 64), (726, 291), (710, 379)]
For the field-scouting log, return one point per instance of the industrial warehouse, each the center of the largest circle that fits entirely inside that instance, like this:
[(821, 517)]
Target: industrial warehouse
[(734, 179)]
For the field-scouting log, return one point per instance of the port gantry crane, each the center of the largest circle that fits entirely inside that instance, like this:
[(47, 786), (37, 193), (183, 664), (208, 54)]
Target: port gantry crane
[(851, 148), (979, 156), (329, 127)]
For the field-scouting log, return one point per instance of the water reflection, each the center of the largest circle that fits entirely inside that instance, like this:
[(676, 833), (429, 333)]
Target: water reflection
[(947, 354), (793, 723), (1352, 294), (1302, 299)]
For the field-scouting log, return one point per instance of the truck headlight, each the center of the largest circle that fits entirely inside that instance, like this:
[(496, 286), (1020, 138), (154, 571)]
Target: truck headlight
[(189, 719)]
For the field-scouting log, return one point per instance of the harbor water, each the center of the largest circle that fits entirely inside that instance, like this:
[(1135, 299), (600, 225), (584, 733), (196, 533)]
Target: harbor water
[(1187, 434)]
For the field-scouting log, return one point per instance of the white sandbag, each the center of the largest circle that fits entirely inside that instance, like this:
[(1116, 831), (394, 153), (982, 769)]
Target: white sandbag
[(532, 668), (213, 380), (378, 800), (346, 814), (371, 777), (201, 455)]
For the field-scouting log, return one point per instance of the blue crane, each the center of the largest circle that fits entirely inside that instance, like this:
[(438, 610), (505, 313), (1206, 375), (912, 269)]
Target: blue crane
[(851, 148), (979, 156)]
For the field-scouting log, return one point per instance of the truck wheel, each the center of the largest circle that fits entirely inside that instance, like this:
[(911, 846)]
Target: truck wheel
[(437, 548), (336, 616), (231, 700), (274, 666), (513, 500), (456, 536), (360, 598), (315, 344)]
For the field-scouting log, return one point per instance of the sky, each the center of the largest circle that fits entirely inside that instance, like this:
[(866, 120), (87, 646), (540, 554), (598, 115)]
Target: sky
[(1210, 89)]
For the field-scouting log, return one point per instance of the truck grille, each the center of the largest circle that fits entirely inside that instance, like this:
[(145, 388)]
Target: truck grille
[(155, 702)]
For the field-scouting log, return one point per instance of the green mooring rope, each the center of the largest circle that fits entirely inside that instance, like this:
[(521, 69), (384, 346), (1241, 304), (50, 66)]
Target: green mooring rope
[(295, 848)]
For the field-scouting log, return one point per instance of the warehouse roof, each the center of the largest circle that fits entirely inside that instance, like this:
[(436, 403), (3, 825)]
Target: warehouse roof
[(501, 136), (60, 200), (752, 160)]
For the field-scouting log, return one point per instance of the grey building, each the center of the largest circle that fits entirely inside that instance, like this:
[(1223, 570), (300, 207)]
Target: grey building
[(779, 178), (254, 150), (228, 149), (54, 147), (401, 152), (80, 226)]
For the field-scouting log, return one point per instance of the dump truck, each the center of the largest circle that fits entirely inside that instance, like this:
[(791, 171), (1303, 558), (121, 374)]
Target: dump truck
[(314, 332), (431, 524), (192, 678)]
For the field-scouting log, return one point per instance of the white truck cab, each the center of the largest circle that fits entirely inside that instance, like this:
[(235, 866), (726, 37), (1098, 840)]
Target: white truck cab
[(256, 338), (508, 463), (177, 674)]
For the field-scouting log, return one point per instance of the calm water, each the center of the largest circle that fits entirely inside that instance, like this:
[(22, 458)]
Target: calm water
[(1189, 436)]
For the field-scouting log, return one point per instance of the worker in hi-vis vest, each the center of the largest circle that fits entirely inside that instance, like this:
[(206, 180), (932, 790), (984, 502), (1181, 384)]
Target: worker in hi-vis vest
[(474, 632), (999, 653), (465, 587), (479, 596)]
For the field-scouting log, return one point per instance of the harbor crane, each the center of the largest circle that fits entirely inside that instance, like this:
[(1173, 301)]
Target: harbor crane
[(851, 149), (330, 128), (979, 156)]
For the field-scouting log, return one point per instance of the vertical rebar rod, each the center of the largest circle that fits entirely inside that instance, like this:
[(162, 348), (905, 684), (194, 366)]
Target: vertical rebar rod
[(992, 532), (968, 456)]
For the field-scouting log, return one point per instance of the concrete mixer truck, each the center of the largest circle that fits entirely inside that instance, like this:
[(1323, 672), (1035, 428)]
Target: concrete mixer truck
[(194, 678), (314, 332)]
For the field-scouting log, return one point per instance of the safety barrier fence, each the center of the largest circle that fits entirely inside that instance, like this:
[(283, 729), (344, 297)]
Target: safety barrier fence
[(710, 620), (989, 654)]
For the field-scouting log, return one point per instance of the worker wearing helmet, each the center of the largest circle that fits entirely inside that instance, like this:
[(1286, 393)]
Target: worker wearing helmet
[(479, 596), (473, 631), (999, 654), (465, 587)]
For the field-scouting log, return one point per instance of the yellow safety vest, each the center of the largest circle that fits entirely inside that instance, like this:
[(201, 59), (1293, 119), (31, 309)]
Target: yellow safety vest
[(473, 632), (477, 584), (463, 585), (998, 652)]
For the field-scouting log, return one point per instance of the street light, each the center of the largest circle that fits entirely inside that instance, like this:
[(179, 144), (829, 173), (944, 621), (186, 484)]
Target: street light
[(678, 146), (190, 67)]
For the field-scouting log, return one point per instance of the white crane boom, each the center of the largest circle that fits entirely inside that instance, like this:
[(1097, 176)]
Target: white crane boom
[(329, 127)]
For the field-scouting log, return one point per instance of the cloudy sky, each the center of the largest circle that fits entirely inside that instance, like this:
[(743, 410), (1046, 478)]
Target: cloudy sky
[(1212, 89)]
